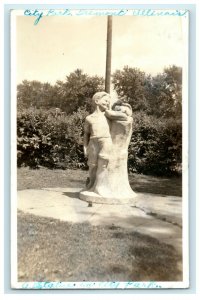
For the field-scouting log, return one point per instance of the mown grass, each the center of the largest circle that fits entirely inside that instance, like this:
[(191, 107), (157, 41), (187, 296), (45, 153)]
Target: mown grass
[(44, 178), (52, 250)]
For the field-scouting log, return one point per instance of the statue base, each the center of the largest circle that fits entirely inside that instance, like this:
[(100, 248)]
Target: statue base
[(92, 197)]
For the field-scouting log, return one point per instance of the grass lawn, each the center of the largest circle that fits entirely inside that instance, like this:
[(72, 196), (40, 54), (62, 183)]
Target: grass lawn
[(44, 178), (52, 250)]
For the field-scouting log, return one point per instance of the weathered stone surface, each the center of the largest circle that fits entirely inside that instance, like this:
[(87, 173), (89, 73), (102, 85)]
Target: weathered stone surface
[(107, 134), (95, 198)]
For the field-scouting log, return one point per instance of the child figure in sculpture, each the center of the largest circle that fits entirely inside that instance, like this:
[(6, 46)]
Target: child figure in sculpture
[(97, 138)]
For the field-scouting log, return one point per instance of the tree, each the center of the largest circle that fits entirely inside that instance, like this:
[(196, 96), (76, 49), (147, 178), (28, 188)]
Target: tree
[(78, 90), (164, 93), (130, 84), (37, 94), (173, 77), (159, 95)]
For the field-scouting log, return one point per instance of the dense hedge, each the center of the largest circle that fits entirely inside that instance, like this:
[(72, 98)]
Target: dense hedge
[(44, 140), (156, 146)]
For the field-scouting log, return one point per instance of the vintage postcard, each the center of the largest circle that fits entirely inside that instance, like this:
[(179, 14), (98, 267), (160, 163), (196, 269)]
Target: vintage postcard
[(99, 185)]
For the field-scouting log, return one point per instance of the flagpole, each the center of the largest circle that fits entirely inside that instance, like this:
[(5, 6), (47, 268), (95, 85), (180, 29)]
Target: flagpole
[(108, 54)]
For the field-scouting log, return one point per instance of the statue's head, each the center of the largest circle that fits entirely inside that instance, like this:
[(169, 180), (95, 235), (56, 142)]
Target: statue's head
[(101, 100), (123, 107)]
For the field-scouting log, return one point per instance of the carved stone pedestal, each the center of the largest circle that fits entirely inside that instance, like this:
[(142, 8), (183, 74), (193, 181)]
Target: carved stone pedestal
[(92, 197)]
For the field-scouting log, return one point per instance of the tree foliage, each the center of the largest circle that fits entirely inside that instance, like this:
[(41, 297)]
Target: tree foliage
[(130, 86), (164, 93), (36, 94), (49, 137), (159, 95), (77, 90)]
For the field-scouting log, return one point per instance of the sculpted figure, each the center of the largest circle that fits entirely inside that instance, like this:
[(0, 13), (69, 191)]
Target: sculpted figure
[(97, 138), (121, 131), (107, 134)]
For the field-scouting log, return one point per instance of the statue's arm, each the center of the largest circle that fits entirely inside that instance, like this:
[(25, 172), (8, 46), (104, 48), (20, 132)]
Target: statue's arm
[(86, 137), (116, 115)]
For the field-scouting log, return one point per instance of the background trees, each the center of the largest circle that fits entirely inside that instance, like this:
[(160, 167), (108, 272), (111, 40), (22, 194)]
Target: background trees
[(69, 95), (156, 143), (130, 85), (36, 94), (165, 93), (51, 117), (158, 95), (77, 90)]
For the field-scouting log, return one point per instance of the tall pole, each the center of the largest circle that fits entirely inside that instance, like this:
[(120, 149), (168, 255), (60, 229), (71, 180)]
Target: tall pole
[(108, 54)]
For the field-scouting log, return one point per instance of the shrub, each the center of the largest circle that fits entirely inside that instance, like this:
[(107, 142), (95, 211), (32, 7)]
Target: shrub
[(44, 140), (156, 145)]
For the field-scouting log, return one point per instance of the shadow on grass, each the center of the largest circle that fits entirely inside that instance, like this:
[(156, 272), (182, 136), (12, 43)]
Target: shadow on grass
[(151, 259), (156, 185), (63, 251)]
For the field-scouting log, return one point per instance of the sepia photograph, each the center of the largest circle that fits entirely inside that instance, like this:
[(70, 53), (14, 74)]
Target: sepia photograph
[(99, 129)]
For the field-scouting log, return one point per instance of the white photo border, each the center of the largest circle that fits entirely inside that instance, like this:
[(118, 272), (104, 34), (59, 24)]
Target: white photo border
[(13, 181)]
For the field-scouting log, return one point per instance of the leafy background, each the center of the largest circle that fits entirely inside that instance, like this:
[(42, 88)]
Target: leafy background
[(50, 120)]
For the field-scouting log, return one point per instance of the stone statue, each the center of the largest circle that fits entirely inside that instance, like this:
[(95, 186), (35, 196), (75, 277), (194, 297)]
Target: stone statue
[(107, 133)]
